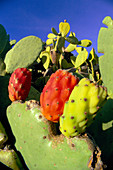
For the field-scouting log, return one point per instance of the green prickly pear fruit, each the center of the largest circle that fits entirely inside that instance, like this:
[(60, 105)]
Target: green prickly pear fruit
[(84, 101)]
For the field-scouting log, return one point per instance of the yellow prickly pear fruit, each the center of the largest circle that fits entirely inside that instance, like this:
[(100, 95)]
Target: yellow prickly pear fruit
[(81, 108)]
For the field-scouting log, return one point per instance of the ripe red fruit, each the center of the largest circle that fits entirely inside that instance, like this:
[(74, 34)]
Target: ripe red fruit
[(55, 93), (19, 84)]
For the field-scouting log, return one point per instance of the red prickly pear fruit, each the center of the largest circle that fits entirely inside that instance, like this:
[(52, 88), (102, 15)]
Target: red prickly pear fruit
[(55, 93), (19, 84)]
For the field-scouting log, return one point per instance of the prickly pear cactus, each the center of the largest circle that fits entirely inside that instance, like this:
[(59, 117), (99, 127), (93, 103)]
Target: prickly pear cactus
[(80, 110), (105, 41), (86, 140), (41, 144), (24, 53)]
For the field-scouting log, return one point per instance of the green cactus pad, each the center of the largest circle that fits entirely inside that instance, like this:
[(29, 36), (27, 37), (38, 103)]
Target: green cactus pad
[(40, 143), (85, 43), (8, 46), (2, 67), (81, 57), (105, 45), (24, 53), (3, 38), (54, 31), (64, 28), (10, 159)]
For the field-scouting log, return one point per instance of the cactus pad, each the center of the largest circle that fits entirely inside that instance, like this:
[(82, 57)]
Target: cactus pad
[(3, 38), (105, 45), (23, 54), (40, 143)]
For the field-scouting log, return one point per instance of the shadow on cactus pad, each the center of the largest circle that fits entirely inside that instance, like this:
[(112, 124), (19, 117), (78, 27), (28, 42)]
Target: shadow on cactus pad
[(102, 132), (4, 98)]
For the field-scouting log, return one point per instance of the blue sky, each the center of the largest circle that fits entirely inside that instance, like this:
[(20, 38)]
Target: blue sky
[(32, 17)]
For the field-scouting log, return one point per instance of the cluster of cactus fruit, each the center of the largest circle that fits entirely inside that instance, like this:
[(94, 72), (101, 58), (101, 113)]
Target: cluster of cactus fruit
[(56, 109)]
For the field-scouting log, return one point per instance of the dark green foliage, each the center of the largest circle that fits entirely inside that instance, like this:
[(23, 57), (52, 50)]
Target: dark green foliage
[(102, 132), (4, 97), (3, 38)]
